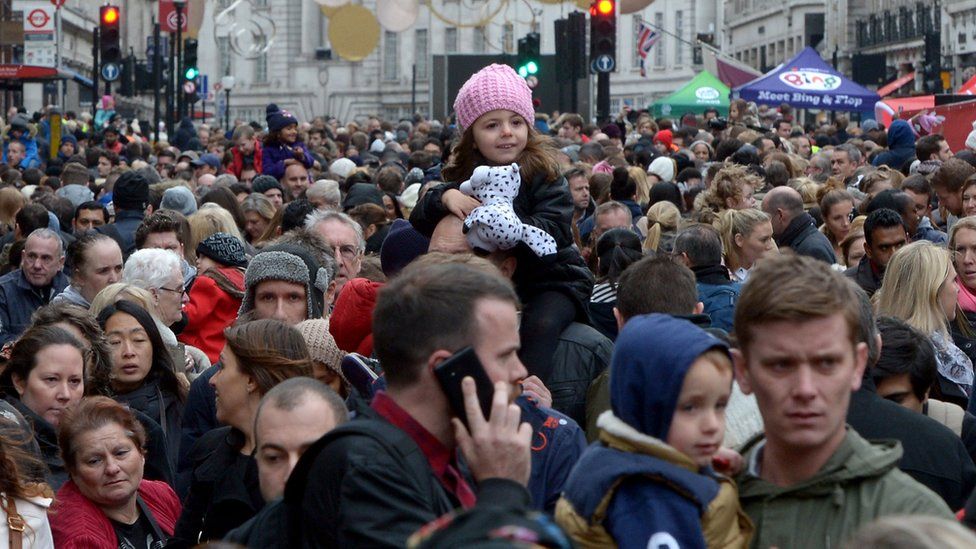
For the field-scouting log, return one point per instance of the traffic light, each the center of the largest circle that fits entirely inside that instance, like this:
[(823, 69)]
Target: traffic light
[(603, 29), (109, 50), (190, 69), (527, 63)]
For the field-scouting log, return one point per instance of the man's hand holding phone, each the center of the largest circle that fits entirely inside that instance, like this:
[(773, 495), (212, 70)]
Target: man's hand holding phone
[(498, 447)]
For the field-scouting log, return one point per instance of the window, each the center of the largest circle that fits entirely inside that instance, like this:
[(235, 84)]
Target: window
[(225, 56), (390, 58), (508, 38), (679, 31), (636, 61), (420, 54), (480, 39), (450, 40), (261, 67), (659, 48)]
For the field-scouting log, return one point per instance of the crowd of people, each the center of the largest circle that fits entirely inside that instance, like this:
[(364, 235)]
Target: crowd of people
[(508, 328)]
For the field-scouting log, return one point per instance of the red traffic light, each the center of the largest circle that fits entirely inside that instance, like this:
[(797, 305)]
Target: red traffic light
[(110, 15), (603, 7)]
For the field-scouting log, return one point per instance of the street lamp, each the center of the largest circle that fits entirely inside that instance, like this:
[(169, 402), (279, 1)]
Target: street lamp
[(227, 82)]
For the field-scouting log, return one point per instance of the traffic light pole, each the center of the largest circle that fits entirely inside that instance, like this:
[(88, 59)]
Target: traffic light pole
[(157, 80), (178, 69), (170, 89), (95, 76), (603, 97)]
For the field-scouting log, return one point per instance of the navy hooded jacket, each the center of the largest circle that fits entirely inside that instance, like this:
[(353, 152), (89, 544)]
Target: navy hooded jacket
[(658, 501), (901, 146)]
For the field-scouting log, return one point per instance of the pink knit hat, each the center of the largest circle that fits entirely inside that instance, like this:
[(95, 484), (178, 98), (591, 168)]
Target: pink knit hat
[(493, 87)]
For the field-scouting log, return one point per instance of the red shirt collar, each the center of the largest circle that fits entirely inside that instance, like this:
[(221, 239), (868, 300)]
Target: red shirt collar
[(438, 455)]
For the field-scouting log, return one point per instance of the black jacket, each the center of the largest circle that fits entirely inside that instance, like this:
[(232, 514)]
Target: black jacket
[(264, 530), (933, 454), (46, 438), (802, 236), (865, 277), (548, 206), (224, 491), (163, 407), (581, 355), (350, 489)]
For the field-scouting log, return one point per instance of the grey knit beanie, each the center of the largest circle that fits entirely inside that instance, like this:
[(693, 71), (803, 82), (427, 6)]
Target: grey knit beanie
[(275, 265)]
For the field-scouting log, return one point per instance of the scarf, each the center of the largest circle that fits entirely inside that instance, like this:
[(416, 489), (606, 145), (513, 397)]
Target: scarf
[(967, 300), (952, 362)]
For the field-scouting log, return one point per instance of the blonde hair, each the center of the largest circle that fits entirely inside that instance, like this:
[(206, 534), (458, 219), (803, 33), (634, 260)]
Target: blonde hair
[(643, 185), (210, 219), (11, 201), (727, 183), (808, 189), (123, 290), (964, 223), (662, 216), (910, 289), (912, 532), (733, 222)]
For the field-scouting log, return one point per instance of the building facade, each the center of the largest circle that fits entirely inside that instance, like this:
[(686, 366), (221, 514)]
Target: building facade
[(278, 51)]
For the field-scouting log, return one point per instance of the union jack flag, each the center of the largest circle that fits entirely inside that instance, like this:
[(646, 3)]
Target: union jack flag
[(646, 38)]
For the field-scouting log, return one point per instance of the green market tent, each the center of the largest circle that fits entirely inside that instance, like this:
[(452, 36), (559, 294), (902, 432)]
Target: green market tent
[(704, 91)]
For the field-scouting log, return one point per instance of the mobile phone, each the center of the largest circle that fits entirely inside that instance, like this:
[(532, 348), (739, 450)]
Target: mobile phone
[(359, 374), (460, 365)]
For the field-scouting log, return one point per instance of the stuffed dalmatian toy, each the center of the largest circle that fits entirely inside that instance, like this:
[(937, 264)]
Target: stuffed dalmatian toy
[(494, 225)]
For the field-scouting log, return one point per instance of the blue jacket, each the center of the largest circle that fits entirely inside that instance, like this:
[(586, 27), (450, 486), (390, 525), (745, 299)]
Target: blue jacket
[(926, 231), (631, 485), (199, 417), (718, 294), (126, 222), (31, 157), (557, 443), (19, 300), (901, 146), (273, 158)]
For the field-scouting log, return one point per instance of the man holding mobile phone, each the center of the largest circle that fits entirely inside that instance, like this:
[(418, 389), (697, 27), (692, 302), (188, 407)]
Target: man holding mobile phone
[(379, 478)]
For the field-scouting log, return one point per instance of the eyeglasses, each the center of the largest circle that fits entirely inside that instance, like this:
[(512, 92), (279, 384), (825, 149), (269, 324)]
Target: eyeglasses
[(181, 290), (349, 251)]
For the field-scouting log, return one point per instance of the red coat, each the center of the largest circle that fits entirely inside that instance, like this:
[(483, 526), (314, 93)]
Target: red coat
[(237, 163), (351, 322), (209, 311), (77, 523)]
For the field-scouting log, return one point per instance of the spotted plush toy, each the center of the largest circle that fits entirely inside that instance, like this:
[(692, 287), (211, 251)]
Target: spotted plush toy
[(493, 225)]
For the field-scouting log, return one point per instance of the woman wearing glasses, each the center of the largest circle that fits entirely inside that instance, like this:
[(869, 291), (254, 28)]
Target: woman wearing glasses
[(142, 370), (159, 272)]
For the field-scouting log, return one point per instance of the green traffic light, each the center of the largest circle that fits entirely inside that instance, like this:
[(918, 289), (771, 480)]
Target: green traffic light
[(531, 67), (523, 71), (192, 73)]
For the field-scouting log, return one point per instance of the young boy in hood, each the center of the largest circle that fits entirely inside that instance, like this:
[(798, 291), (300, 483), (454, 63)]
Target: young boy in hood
[(649, 482)]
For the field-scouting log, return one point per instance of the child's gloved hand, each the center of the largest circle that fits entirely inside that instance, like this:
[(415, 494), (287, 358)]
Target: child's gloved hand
[(728, 462)]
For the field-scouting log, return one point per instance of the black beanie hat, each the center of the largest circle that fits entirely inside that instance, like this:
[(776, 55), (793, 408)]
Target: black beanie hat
[(224, 249), (131, 191), (263, 183)]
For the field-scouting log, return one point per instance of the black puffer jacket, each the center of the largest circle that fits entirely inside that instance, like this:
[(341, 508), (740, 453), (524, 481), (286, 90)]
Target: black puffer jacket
[(224, 491), (581, 355), (548, 206)]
